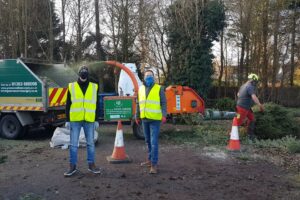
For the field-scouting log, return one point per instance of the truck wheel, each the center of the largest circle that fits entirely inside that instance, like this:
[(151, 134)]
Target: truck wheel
[(49, 129), (138, 131), (11, 127)]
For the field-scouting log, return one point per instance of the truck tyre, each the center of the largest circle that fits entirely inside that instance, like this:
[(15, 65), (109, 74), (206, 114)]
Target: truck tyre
[(138, 131), (49, 129), (11, 127)]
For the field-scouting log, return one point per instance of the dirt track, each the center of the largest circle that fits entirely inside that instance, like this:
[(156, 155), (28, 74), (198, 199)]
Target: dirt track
[(34, 170)]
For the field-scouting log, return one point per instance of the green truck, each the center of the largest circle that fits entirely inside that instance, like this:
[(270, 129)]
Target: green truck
[(32, 95)]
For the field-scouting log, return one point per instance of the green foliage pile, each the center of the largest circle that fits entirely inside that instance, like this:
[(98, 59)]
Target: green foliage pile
[(225, 104), (275, 122), (295, 111)]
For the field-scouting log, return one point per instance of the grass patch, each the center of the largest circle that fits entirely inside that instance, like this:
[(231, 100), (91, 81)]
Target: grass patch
[(3, 159), (24, 145), (243, 157), (296, 179), (216, 136), (216, 133), (30, 196), (287, 144), (208, 133), (178, 136)]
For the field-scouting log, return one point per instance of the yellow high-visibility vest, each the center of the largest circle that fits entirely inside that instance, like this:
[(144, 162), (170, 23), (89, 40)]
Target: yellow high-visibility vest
[(83, 107), (150, 106)]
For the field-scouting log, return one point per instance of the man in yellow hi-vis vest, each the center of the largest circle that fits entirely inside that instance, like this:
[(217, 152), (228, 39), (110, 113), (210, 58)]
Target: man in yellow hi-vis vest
[(152, 109), (81, 111)]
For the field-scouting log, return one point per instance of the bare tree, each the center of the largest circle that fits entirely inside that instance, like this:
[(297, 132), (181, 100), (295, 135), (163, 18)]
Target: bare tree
[(159, 51), (123, 27), (81, 14)]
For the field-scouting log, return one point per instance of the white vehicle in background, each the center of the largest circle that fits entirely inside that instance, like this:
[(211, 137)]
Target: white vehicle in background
[(125, 84)]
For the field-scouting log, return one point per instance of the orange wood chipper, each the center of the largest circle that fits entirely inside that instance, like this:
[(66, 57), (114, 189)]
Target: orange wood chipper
[(183, 99)]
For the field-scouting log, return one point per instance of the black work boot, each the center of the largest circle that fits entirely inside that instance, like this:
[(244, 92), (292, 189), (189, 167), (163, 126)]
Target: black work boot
[(71, 171), (92, 168), (250, 131)]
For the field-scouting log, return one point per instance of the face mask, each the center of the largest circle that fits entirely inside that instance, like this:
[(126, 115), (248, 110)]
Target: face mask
[(83, 75), (149, 80)]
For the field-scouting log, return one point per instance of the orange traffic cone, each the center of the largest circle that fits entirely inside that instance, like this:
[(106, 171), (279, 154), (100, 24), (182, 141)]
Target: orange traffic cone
[(234, 142), (119, 155)]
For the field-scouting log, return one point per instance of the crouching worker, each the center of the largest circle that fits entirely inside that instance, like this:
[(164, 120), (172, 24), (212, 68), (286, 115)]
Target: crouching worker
[(246, 99), (81, 111), (152, 109)]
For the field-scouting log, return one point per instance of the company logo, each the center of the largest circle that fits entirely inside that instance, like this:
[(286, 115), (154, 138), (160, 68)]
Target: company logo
[(118, 103)]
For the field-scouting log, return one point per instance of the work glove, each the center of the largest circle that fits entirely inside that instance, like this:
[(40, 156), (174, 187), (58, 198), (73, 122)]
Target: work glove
[(137, 121), (67, 125), (261, 108), (96, 125), (164, 120)]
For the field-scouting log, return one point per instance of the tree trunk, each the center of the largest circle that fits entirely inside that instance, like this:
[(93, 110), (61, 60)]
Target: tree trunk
[(258, 53), (12, 38), (25, 29), (142, 32), (125, 32), (98, 39), (51, 39), (241, 67), (226, 69), (293, 44), (222, 63), (79, 34), (275, 50), (283, 65), (247, 57), (63, 13), (265, 30)]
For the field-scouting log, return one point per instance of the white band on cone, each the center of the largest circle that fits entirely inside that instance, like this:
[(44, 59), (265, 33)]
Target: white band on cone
[(234, 135), (119, 142)]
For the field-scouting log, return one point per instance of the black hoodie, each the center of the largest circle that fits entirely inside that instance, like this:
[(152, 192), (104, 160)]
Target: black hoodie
[(83, 87)]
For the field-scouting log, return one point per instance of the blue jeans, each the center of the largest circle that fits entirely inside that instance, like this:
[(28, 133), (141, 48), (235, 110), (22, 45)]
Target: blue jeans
[(151, 133), (88, 128)]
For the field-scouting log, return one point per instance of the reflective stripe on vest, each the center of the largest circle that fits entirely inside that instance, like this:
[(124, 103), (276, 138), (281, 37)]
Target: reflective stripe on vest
[(150, 106), (83, 107)]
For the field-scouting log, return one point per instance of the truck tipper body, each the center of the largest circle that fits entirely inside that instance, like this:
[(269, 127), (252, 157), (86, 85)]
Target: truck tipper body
[(32, 95)]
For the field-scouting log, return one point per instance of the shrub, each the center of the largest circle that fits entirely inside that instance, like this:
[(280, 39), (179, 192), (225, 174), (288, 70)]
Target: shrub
[(225, 104), (287, 144), (294, 147), (275, 122)]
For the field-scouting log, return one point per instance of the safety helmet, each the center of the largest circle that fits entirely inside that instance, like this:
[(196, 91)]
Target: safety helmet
[(253, 77)]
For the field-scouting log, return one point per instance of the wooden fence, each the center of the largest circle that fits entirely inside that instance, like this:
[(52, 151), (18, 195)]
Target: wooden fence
[(289, 97)]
